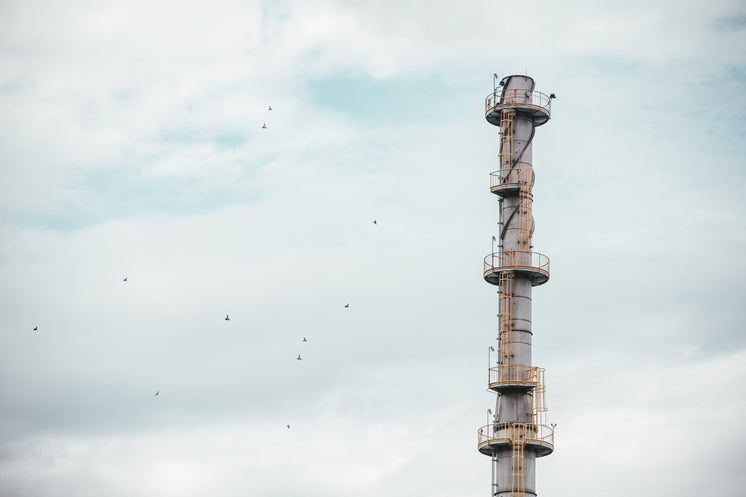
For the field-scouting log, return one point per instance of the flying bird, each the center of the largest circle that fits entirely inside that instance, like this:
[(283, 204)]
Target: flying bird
[(347, 306), (304, 339), (552, 96), (36, 328), (375, 222), (287, 425), (125, 279), (299, 359), (156, 393), (227, 318), (269, 108), (264, 125)]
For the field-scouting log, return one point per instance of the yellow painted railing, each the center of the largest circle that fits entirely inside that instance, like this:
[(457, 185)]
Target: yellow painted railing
[(512, 374), (540, 434), (495, 433), (517, 97), (516, 259), (509, 433), (509, 175)]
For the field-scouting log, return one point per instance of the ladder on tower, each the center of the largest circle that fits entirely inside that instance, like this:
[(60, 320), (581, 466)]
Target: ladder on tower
[(539, 408), (505, 315), (506, 142), (518, 439)]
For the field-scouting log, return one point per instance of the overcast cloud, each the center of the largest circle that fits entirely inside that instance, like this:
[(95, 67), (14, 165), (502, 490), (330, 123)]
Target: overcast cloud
[(131, 145)]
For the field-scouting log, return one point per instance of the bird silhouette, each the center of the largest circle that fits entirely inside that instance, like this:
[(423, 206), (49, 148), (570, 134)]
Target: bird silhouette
[(375, 222), (287, 425), (347, 306), (125, 279), (552, 96), (264, 126), (156, 393), (304, 339), (36, 328), (269, 108), (227, 318), (299, 359)]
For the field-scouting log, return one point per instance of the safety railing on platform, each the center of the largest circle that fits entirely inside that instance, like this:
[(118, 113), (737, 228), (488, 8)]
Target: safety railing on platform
[(516, 260), (513, 374), (542, 434), (495, 433), (498, 433), (515, 96), (508, 175)]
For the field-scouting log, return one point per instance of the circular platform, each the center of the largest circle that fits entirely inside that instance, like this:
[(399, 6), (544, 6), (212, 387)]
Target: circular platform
[(537, 438), (506, 182), (523, 102), (532, 265), (512, 377)]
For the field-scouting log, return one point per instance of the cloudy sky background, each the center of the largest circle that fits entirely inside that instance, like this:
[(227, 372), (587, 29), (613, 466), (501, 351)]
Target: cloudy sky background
[(131, 144)]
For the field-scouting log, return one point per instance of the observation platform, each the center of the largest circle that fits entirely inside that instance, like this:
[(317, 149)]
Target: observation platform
[(507, 182), (523, 102), (521, 262), (513, 377), (537, 438)]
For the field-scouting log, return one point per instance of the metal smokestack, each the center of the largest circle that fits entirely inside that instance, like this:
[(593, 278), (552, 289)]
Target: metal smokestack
[(519, 433)]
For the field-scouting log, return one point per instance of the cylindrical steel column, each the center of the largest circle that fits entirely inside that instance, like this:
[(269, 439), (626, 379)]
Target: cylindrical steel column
[(518, 436)]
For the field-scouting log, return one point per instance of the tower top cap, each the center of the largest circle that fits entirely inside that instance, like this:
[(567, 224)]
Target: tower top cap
[(526, 80)]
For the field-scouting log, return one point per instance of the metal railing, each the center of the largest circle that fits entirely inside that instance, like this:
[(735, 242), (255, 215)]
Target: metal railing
[(516, 259), (509, 433), (541, 434), (509, 175), (517, 97), (496, 433), (512, 374)]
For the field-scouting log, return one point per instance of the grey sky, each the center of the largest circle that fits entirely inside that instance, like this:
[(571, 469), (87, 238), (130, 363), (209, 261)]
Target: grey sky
[(131, 144)]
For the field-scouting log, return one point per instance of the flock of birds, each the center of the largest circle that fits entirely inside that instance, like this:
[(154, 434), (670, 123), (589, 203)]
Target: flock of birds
[(228, 317)]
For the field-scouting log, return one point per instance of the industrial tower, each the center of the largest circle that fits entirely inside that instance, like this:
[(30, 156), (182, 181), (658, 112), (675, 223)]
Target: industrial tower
[(517, 432)]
